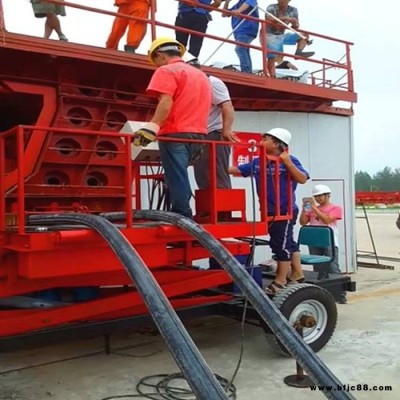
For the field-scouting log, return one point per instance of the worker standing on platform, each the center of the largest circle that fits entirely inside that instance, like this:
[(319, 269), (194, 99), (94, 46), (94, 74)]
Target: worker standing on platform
[(43, 9), (220, 123), (196, 19), (244, 30), (184, 100), (137, 29), (282, 243)]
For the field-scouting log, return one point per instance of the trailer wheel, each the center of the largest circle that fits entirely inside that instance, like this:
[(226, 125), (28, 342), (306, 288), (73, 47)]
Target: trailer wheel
[(305, 299)]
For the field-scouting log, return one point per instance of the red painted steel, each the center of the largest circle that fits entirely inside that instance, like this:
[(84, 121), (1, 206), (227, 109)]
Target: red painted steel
[(377, 198), (61, 151), (41, 260)]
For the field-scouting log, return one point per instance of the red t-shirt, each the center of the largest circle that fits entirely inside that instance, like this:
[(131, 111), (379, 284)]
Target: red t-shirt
[(191, 94)]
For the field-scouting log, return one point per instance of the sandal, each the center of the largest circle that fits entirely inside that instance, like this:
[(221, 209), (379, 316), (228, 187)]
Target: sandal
[(295, 281), (274, 288)]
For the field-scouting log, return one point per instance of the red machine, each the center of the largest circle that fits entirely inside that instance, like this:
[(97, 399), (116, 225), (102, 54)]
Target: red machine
[(63, 106), (368, 198)]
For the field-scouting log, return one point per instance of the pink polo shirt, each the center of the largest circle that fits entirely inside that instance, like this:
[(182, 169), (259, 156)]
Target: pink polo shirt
[(334, 211), (191, 94)]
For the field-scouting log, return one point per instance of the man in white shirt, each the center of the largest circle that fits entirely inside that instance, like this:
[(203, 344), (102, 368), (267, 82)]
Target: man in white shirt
[(220, 124)]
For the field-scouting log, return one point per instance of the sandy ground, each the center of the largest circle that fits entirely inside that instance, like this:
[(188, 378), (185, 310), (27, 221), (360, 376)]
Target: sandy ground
[(364, 350)]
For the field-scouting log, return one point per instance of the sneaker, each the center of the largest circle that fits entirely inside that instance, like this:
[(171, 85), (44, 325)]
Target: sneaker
[(305, 54), (129, 49), (194, 63), (63, 37)]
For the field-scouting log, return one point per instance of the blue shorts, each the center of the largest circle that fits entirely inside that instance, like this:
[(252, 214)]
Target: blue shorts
[(281, 239), (276, 42)]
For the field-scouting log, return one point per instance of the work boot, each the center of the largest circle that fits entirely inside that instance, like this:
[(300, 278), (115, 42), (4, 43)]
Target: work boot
[(305, 54), (63, 37), (129, 49)]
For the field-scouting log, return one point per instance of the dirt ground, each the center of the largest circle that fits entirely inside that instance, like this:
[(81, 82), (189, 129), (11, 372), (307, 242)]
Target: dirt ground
[(364, 350)]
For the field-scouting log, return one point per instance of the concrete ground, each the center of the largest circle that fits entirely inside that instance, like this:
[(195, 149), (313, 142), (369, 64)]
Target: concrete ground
[(364, 350)]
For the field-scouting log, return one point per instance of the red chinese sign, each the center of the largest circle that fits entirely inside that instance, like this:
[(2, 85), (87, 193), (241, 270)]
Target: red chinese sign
[(243, 154)]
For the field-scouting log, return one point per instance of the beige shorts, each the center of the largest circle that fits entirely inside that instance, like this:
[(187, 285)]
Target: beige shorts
[(42, 8)]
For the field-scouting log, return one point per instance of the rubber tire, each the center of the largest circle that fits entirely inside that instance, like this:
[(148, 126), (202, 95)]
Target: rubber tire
[(288, 299)]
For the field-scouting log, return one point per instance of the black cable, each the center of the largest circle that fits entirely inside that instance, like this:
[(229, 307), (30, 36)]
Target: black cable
[(249, 263), (184, 351), (279, 325), (164, 386), (91, 354)]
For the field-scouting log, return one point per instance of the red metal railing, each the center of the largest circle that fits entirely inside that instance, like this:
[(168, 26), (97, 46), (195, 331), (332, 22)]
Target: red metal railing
[(377, 198), (132, 176), (19, 133), (319, 77)]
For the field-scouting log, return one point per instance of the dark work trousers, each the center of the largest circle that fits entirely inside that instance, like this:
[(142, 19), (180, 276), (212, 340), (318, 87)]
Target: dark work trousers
[(196, 22), (202, 166), (176, 158)]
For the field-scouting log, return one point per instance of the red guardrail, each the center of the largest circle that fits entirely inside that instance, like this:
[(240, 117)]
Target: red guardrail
[(377, 197)]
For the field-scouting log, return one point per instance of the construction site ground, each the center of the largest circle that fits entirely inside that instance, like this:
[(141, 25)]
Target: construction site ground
[(364, 350)]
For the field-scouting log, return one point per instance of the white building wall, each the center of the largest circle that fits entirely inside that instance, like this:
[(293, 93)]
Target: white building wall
[(324, 145)]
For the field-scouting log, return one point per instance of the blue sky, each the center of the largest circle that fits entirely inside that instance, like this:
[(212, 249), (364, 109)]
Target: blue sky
[(377, 80)]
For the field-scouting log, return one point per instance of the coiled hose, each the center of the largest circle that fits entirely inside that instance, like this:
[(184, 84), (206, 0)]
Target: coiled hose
[(309, 361), (192, 364)]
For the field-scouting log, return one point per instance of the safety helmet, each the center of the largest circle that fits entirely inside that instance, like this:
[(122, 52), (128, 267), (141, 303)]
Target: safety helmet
[(281, 134), (165, 44), (321, 189)]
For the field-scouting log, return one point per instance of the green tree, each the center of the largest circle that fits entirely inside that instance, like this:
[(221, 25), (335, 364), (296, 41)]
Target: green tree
[(384, 180), (396, 179), (363, 181)]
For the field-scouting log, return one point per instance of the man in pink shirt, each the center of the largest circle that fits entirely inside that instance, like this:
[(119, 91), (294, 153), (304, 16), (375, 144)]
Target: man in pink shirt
[(184, 101), (323, 212)]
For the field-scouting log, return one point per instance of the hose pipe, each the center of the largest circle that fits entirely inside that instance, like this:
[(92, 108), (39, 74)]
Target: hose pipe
[(301, 352), (192, 364)]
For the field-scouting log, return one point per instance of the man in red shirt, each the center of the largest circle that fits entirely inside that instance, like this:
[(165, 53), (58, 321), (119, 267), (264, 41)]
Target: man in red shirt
[(184, 101)]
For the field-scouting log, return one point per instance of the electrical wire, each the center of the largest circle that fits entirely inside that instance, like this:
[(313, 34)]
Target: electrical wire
[(86, 355), (165, 386), (163, 389)]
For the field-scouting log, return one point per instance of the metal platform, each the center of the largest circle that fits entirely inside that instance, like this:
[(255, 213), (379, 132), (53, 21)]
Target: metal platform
[(231, 309)]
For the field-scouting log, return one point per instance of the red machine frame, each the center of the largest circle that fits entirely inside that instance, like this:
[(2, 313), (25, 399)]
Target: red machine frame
[(34, 259), (76, 102)]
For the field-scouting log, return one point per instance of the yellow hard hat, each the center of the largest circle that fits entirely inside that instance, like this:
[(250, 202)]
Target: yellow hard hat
[(163, 44)]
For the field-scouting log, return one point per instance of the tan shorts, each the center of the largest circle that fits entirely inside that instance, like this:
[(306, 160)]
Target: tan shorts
[(42, 8)]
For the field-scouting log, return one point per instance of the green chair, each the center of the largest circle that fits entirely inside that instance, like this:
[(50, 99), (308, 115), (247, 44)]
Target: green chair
[(316, 236)]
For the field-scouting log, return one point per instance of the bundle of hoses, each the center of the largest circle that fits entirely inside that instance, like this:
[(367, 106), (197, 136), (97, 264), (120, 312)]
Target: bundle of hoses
[(192, 364), (187, 356), (312, 364)]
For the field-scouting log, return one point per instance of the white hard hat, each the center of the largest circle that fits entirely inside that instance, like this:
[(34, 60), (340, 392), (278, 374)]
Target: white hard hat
[(281, 134), (321, 189)]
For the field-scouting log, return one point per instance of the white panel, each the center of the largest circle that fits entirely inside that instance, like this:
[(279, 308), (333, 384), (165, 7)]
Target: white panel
[(324, 145)]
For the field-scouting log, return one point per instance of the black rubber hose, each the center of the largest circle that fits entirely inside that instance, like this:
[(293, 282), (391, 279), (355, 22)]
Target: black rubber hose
[(192, 364), (310, 362)]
